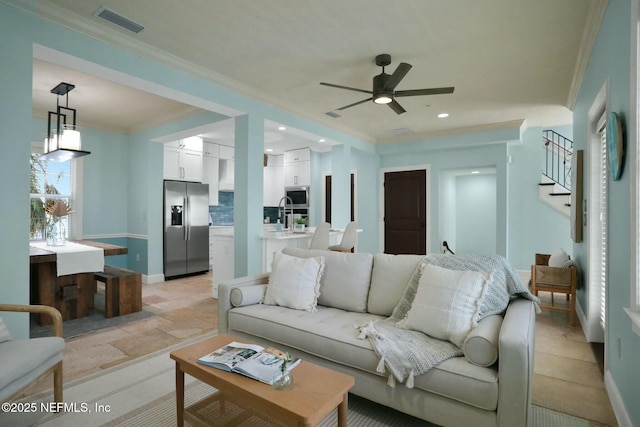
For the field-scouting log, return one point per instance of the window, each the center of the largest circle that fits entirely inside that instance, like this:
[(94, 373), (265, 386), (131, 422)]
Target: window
[(596, 203), (49, 181)]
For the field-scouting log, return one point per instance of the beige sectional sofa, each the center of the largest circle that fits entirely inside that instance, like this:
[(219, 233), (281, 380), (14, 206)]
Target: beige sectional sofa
[(489, 384)]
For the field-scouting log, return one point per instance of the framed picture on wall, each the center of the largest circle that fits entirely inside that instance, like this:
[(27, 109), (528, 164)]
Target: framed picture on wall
[(576, 196)]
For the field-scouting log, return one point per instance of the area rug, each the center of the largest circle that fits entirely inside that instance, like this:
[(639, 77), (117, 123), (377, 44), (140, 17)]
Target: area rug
[(141, 394), (88, 324)]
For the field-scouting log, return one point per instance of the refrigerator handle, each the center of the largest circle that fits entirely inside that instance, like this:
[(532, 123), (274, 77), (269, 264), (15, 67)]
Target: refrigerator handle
[(185, 223), (188, 228)]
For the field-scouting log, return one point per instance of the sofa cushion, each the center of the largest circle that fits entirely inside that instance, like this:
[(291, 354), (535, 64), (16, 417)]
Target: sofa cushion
[(447, 303), (389, 278), (247, 295), (346, 278), (481, 345), (294, 282), (5, 335), (460, 380), (328, 333)]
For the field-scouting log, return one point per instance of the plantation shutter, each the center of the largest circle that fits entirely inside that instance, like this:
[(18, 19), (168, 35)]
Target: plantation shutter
[(602, 130)]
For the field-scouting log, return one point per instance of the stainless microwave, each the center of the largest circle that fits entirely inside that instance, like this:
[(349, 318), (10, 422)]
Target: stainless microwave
[(299, 196)]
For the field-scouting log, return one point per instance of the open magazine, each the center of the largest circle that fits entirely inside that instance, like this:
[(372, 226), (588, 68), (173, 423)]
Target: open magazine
[(253, 361)]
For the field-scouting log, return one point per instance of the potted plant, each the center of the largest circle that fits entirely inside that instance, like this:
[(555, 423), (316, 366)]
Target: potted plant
[(299, 225)]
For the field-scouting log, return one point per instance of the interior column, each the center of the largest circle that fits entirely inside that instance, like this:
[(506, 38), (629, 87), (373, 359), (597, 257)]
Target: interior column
[(340, 185), (247, 205)]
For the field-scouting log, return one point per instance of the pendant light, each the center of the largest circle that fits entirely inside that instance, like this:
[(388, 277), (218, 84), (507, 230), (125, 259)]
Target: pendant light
[(62, 142)]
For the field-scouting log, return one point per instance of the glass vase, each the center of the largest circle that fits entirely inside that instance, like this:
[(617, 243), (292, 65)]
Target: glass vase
[(283, 382), (56, 234)]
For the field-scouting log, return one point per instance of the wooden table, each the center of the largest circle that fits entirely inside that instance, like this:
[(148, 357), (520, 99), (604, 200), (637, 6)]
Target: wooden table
[(316, 391), (72, 294)]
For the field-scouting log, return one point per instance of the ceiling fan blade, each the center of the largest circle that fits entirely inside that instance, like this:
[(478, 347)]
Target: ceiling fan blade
[(345, 87), (431, 91), (397, 75), (396, 107), (354, 104)]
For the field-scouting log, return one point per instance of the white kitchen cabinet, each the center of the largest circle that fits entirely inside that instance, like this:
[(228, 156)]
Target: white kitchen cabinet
[(299, 155), (211, 150), (223, 258), (211, 176), (226, 152), (183, 160), (297, 167), (297, 174), (273, 181)]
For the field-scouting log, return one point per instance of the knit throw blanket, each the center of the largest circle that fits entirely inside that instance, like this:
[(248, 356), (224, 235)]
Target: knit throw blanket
[(407, 353)]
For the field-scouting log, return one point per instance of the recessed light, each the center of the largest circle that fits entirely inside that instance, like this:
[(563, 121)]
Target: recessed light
[(475, 172), (322, 140), (269, 150), (282, 128), (443, 115)]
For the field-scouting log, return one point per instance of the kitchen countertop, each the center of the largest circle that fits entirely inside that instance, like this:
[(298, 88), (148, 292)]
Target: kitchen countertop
[(286, 234)]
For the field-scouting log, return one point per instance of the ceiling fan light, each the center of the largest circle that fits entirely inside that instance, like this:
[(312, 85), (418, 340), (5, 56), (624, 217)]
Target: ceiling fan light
[(382, 98)]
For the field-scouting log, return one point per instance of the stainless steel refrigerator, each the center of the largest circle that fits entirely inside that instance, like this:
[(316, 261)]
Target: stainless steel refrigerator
[(186, 228)]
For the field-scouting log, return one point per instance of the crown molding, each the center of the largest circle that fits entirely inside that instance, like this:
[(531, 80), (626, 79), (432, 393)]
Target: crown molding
[(513, 124), (595, 15)]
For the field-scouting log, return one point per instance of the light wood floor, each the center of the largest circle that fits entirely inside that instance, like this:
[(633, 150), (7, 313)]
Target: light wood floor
[(566, 373)]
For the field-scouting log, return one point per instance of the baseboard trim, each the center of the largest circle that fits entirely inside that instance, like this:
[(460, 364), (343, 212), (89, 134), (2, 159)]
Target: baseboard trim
[(153, 278), (619, 410)]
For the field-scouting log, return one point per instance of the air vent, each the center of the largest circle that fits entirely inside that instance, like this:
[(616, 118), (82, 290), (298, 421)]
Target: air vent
[(333, 114), (401, 131), (119, 20)]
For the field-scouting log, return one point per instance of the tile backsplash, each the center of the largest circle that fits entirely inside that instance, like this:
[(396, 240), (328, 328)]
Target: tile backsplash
[(223, 213)]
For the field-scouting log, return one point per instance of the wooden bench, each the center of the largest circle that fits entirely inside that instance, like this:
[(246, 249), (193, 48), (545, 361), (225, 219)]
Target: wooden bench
[(123, 290)]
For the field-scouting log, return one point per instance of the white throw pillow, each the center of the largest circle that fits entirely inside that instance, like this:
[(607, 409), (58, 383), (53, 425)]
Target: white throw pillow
[(5, 335), (346, 278), (447, 303), (482, 344), (294, 282), (558, 258), (247, 295)]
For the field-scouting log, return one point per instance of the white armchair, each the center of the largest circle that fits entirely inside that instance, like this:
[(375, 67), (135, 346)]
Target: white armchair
[(25, 361)]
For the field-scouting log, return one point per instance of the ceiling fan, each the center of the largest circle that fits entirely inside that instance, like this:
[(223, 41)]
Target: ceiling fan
[(384, 86)]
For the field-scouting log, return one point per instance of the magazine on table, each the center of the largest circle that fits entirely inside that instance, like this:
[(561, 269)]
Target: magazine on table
[(253, 361)]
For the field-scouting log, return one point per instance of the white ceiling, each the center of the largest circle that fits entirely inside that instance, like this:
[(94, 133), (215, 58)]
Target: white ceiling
[(509, 60)]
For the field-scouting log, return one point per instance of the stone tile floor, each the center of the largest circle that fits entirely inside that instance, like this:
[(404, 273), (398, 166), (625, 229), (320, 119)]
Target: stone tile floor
[(566, 374)]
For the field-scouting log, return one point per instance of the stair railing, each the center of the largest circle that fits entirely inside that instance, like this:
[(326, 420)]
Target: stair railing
[(558, 154)]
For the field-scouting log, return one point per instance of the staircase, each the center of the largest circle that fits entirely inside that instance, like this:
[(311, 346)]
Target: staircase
[(554, 188)]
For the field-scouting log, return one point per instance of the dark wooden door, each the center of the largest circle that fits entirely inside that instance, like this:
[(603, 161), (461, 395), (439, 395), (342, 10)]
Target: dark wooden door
[(405, 213)]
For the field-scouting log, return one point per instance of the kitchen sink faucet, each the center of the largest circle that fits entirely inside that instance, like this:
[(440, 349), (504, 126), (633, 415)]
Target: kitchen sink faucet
[(284, 209)]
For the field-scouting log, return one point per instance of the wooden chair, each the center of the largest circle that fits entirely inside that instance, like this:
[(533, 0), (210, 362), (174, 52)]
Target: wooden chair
[(555, 280), (26, 361)]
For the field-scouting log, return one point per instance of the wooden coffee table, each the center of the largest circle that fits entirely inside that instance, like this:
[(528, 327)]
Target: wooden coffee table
[(316, 390)]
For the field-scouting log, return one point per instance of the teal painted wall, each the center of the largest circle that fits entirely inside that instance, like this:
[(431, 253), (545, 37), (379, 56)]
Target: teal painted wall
[(534, 227), (15, 140), (475, 214), (610, 62)]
